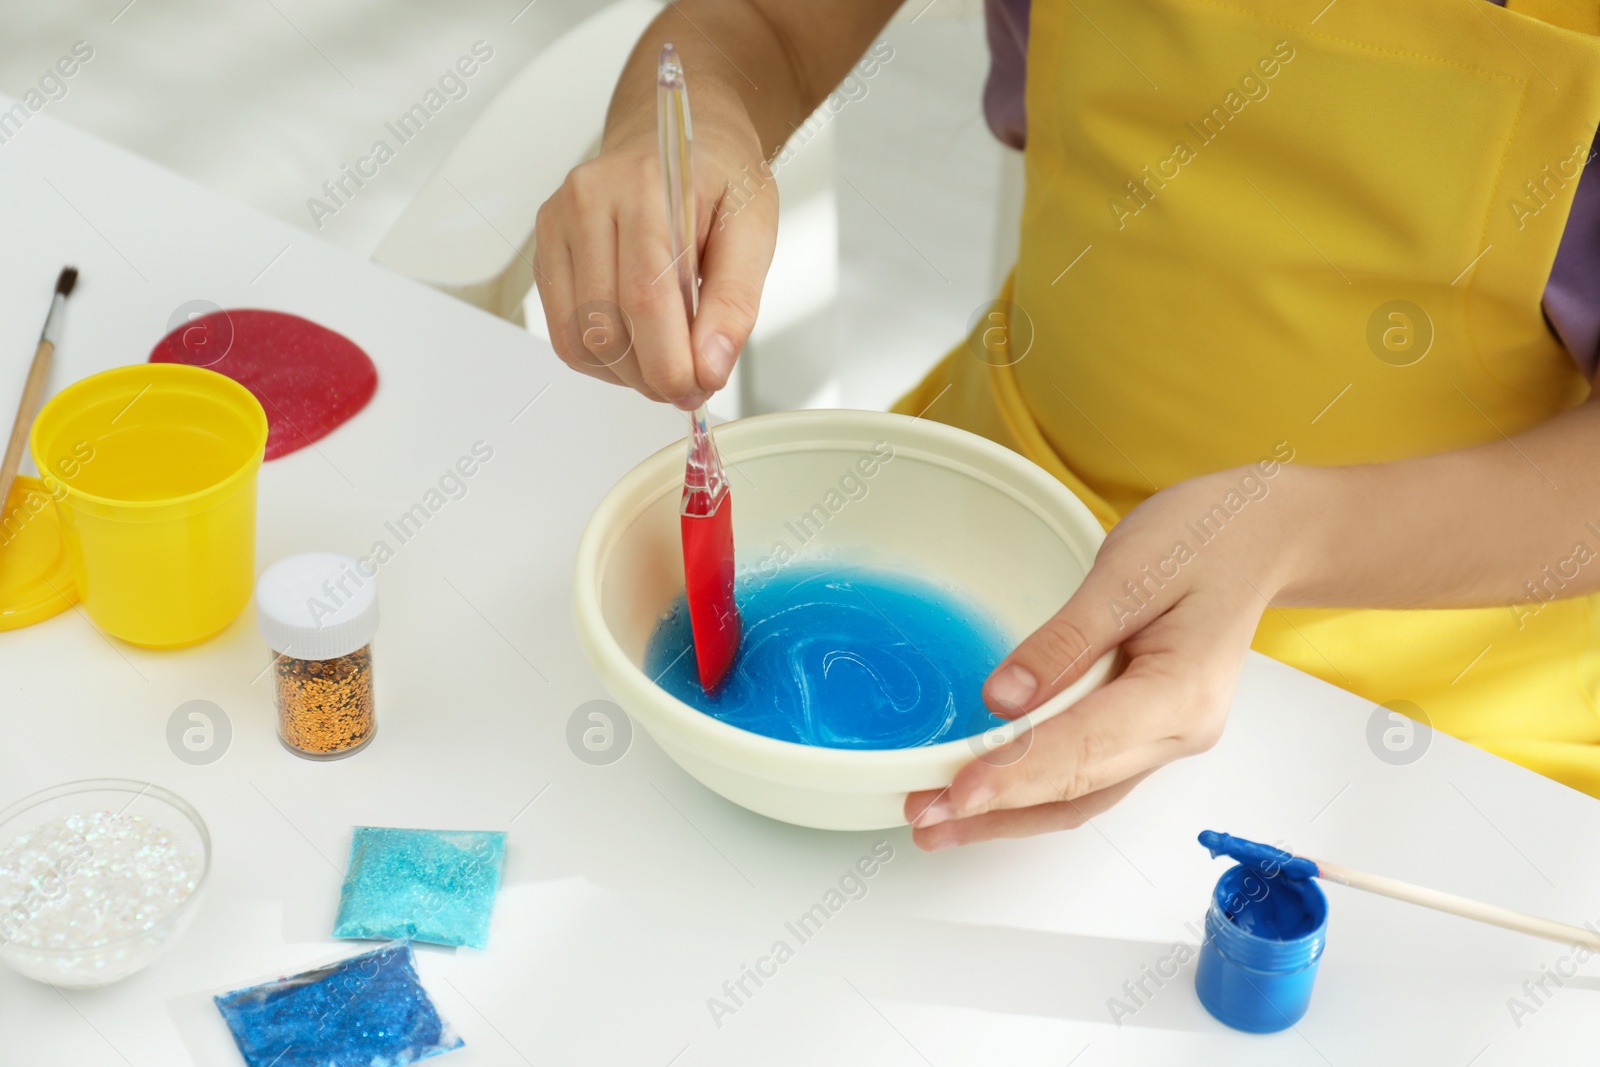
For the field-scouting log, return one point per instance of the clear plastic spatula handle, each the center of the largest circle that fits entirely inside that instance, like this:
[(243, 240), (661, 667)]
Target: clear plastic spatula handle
[(704, 477)]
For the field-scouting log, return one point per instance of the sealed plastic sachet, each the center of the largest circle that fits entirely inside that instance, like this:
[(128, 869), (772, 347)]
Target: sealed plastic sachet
[(428, 885), (368, 1010)]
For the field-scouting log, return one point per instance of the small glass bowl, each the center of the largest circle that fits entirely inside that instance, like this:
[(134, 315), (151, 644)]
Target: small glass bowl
[(92, 960)]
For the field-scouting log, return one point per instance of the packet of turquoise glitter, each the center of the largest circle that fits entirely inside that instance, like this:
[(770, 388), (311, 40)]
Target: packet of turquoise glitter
[(427, 885), (366, 1011)]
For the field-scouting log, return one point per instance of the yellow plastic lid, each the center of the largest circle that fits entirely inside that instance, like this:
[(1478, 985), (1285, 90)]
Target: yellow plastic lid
[(35, 573)]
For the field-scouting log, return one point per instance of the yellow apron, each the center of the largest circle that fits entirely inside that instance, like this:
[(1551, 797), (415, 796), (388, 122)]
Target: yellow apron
[(1255, 226)]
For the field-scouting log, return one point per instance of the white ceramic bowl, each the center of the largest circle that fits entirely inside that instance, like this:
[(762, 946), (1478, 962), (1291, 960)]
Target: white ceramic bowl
[(938, 502)]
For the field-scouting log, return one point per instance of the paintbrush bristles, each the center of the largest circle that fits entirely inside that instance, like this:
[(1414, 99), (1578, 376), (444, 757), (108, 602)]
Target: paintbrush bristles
[(67, 279)]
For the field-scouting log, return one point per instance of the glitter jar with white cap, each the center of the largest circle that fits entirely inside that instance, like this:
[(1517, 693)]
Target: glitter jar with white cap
[(319, 612)]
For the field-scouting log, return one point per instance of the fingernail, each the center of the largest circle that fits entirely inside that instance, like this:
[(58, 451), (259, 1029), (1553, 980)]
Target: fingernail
[(934, 814), (717, 353), (1012, 687), (944, 809), (937, 843)]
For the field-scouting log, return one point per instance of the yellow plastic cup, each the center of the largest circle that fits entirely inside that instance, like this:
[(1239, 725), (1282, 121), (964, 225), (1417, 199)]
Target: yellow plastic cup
[(156, 466)]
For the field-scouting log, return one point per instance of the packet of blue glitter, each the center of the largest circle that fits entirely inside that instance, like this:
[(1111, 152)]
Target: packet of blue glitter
[(427, 885), (366, 1011)]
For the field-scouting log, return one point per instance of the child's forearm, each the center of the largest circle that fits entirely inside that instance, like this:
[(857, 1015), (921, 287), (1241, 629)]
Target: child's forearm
[(1471, 527), (771, 60)]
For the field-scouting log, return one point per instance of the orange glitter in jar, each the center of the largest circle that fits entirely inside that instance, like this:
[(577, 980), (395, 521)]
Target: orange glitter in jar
[(325, 706), (319, 613)]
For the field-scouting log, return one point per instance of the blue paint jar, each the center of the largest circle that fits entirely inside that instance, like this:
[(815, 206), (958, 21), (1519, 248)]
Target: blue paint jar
[(1264, 938)]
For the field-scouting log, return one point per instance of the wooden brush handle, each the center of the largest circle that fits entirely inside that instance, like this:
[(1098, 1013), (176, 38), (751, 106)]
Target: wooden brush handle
[(32, 397), (1467, 909)]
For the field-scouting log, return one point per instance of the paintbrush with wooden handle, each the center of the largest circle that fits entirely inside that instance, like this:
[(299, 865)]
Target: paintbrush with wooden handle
[(33, 388), (1254, 854)]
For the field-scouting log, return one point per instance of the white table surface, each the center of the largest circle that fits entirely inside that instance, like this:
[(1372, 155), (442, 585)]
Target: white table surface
[(632, 893)]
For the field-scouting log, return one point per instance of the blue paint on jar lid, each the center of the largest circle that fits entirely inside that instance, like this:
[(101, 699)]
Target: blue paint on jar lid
[(1261, 857), (1265, 932)]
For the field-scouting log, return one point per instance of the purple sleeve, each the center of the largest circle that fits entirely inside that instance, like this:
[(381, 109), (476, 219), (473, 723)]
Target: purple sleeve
[(1572, 296), (1007, 24)]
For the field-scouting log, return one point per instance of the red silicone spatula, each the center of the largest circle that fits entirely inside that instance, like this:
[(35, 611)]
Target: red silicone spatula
[(706, 514)]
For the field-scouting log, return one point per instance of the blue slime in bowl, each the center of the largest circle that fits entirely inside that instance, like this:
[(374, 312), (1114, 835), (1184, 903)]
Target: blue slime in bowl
[(843, 657)]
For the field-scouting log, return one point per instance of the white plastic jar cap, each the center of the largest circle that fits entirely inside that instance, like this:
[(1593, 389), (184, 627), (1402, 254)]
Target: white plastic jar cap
[(317, 605)]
